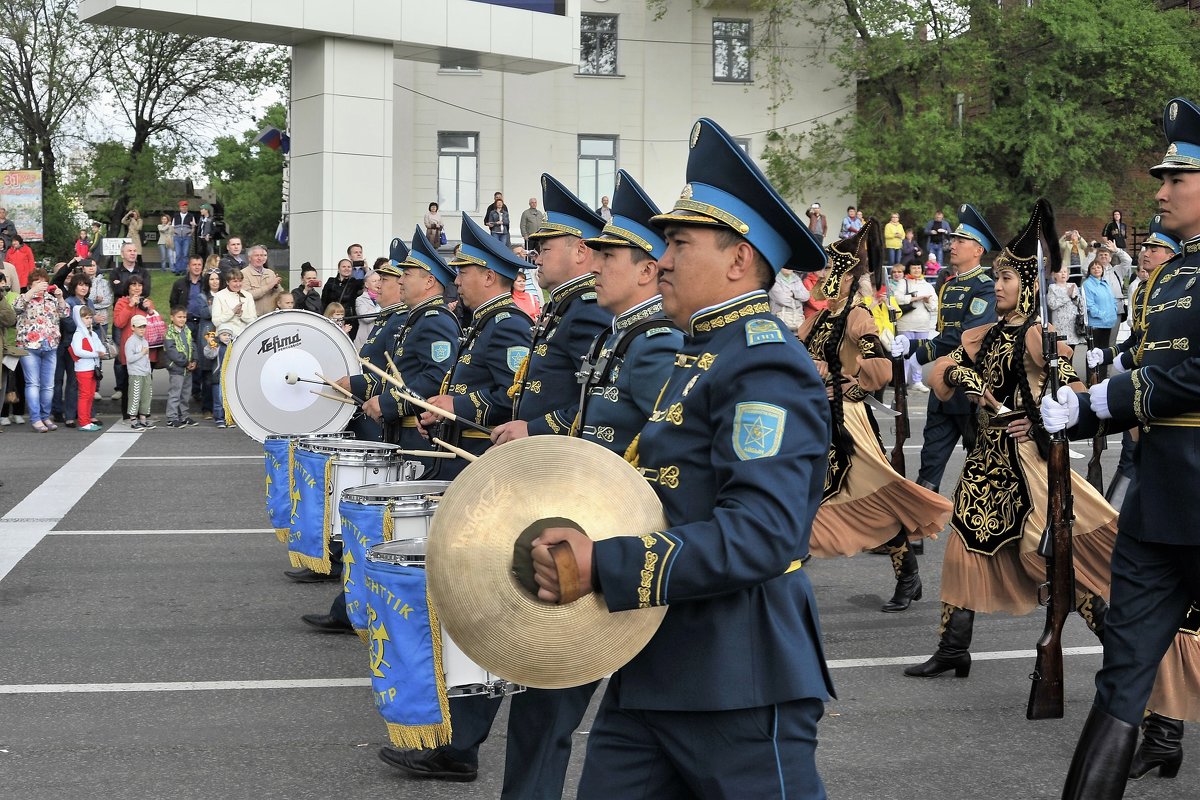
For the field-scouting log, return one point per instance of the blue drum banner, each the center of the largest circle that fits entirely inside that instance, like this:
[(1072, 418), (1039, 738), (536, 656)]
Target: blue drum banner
[(276, 453), (405, 641), (308, 544), (362, 528)]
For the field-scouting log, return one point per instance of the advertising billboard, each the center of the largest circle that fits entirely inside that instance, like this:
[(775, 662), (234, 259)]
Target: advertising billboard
[(21, 195)]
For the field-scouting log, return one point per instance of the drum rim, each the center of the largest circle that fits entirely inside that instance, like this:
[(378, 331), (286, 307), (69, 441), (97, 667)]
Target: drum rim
[(359, 446), (371, 551)]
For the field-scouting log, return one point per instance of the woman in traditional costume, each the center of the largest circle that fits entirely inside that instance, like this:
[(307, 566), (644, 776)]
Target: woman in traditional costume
[(991, 561), (866, 503)]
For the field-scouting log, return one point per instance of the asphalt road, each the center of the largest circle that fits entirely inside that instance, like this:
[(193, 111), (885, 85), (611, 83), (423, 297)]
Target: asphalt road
[(133, 657)]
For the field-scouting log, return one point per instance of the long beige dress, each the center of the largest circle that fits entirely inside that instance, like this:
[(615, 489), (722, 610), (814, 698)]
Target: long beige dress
[(866, 502), (991, 562)]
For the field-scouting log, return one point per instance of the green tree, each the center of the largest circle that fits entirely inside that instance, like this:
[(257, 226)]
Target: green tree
[(172, 90), (967, 100), (248, 179)]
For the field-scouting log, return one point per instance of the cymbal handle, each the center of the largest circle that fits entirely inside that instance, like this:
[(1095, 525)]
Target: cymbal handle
[(568, 573)]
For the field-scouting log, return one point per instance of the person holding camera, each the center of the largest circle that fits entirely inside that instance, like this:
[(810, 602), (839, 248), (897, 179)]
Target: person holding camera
[(308, 294), (1075, 252), (38, 312)]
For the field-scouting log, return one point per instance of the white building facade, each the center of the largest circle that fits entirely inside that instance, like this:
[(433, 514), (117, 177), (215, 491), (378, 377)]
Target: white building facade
[(397, 103)]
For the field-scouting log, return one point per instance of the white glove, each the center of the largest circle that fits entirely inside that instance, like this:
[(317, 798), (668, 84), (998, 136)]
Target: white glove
[(1061, 413), (1118, 365), (1095, 357), (1099, 394), (899, 346)]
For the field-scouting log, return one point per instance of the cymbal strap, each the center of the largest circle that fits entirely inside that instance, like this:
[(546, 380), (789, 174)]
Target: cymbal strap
[(568, 573)]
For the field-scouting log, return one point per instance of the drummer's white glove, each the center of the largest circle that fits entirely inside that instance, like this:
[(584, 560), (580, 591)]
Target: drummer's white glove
[(1099, 394), (1061, 413), (899, 346), (1095, 357), (1118, 365)]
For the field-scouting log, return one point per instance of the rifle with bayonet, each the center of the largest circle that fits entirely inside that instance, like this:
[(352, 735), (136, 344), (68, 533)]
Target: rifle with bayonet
[(1058, 593), (1095, 472)]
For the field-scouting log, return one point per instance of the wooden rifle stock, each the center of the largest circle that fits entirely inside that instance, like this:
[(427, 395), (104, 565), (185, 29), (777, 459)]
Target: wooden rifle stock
[(900, 390), (1046, 691)]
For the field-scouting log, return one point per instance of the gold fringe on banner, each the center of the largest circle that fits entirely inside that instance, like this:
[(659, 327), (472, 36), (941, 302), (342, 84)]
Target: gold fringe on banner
[(282, 535), (389, 524), (425, 737), (287, 533), (363, 634), (229, 421)]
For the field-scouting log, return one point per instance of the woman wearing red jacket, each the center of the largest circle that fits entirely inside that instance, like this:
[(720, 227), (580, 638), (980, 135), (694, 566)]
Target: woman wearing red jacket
[(21, 257)]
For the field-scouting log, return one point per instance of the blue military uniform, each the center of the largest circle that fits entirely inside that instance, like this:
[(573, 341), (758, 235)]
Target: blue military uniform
[(546, 392), (627, 366), (965, 301), (1126, 349), (375, 349), (1156, 560), (724, 700), (425, 347)]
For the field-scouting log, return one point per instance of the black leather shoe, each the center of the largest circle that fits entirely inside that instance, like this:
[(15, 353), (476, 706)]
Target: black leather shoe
[(427, 764), (327, 623), (306, 575), (1162, 748)]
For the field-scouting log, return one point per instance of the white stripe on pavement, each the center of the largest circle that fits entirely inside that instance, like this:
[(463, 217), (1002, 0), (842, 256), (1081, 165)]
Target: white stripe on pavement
[(324, 683), (31, 519), (158, 532)]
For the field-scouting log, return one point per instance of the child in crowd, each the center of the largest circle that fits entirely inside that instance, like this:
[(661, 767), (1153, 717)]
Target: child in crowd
[(86, 349), (180, 351), (337, 312), (137, 361), (215, 345), (284, 301)]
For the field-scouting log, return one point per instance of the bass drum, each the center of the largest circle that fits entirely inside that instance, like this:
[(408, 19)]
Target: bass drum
[(271, 373)]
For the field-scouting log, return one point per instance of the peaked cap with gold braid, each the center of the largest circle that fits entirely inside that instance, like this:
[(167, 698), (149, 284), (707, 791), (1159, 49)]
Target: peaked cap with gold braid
[(845, 256), (1020, 255)]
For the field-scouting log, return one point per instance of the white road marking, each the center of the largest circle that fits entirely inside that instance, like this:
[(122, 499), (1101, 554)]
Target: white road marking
[(158, 532), (327, 683), (32, 518), (192, 458)]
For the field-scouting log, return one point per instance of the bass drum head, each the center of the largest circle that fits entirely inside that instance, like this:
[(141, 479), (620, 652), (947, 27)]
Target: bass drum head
[(255, 384)]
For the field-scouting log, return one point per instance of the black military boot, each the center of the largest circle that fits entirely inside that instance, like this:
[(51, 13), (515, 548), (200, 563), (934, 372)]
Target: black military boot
[(1100, 767), (1162, 747), (908, 578), (952, 652), (1094, 611)]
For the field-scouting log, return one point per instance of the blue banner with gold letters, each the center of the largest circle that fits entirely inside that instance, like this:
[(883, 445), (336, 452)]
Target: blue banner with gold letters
[(362, 528), (405, 641), (312, 488), (279, 502)]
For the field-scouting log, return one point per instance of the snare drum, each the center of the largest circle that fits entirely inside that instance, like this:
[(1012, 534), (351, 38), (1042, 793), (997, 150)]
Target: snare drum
[(371, 515), (323, 469), (463, 676), (278, 457)]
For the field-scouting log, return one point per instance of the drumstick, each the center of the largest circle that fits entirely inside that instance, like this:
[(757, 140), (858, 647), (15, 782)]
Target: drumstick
[(392, 364), (416, 401), (339, 398), (396, 371), (458, 451), (426, 453), (337, 386)]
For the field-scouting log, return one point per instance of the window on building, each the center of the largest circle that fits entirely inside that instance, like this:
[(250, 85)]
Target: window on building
[(598, 44), (458, 171), (743, 142), (731, 50), (597, 168)]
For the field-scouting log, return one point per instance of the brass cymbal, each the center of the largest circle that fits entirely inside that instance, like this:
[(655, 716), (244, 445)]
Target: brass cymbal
[(495, 620)]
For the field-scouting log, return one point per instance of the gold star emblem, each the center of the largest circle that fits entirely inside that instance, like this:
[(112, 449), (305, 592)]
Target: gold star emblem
[(757, 433)]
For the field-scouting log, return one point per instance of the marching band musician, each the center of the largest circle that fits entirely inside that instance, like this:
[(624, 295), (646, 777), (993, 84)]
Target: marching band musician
[(390, 326), (627, 365), (725, 698), (546, 401), (966, 300), (391, 317), (476, 388), (425, 346), (865, 502), (1156, 561), (991, 561), (546, 394)]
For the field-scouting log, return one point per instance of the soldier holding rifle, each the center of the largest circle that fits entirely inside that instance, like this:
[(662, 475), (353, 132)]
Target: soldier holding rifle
[(1156, 561)]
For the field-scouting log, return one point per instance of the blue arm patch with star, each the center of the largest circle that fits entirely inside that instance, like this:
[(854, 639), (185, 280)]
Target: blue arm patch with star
[(757, 430)]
